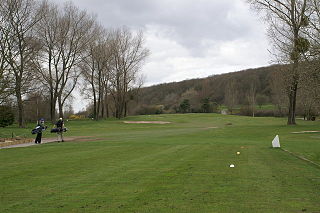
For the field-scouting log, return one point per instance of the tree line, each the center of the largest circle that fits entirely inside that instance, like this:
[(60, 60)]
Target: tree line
[(46, 51), (248, 90)]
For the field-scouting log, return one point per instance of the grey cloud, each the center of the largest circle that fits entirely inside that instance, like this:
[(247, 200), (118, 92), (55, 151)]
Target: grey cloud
[(188, 22), (188, 38), (192, 21)]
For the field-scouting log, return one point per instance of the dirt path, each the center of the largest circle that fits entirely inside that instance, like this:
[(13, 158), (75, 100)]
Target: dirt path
[(301, 132), (146, 122), (53, 140)]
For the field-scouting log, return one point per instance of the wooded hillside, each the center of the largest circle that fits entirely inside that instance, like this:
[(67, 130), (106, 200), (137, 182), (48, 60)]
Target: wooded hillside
[(245, 89)]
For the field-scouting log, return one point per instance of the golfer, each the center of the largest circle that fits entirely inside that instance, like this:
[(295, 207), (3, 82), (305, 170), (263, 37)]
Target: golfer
[(60, 125), (39, 128)]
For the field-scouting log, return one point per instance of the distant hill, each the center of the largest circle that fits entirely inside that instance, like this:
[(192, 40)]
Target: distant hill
[(213, 88)]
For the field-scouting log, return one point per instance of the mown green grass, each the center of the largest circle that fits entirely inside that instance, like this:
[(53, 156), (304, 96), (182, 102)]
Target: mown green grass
[(257, 107), (178, 167)]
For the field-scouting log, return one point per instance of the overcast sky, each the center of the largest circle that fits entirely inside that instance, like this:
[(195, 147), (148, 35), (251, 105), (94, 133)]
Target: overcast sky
[(188, 38)]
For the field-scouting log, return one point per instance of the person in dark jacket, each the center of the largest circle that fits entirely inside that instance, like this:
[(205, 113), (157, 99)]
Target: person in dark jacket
[(60, 126), (39, 128)]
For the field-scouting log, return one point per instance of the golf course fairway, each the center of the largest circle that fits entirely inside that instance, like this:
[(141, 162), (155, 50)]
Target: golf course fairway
[(181, 164)]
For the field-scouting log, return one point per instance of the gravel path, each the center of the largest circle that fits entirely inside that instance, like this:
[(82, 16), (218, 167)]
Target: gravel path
[(51, 140)]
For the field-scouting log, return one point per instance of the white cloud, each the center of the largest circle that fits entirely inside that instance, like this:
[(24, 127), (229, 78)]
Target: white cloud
[(171, 61), (187, 38)]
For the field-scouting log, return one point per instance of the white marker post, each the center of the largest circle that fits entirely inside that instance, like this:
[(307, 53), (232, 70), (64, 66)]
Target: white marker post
[(276, 142)]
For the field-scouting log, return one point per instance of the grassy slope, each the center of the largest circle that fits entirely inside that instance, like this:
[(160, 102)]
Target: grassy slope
[(180, 167)]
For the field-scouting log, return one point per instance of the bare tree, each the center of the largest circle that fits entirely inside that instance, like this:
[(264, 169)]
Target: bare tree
[(18, 18), (65, 35), (96, 70), (309, 94), (128, 54), (76, 27), (5, 77), (48, 33), (278, 91), (36, 106), (231, 95), (287, 19), (307, 101), (251, 96), (313, 31)]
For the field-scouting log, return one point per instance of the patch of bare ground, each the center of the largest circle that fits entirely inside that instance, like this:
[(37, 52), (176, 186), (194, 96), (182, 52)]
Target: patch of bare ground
[(146, 122), (82, 139), (13, 141), (30, 141), (301, 132), (211, 127)]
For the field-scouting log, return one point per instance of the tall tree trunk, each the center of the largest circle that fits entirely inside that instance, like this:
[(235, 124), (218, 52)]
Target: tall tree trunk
[(37, 107), (292, 105), (294, 83), (122, 105), (119, 107), (102, 102), (95, 105), (106, 105), (60, 104), (107, 110), (253, 111), (95, 116), (125, 109), (99, 93), (99, 104), (53, 101), (20, 108), (102, 108)]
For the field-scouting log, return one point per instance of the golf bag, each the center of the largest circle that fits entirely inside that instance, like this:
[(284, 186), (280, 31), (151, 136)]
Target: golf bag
[(37, 130), (55, 130)]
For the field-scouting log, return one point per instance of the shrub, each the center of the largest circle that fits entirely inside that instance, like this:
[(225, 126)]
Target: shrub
[(206, 105), (76, 117), (6, 116), (149, 110), (245, 110), (185, 106), (264, 113), (261, 99)]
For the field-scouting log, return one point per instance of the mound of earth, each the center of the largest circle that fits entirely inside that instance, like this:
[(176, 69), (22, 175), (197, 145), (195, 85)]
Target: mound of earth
[(146, 122)]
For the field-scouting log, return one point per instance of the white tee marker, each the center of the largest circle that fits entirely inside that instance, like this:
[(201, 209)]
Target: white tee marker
[(276, 142)]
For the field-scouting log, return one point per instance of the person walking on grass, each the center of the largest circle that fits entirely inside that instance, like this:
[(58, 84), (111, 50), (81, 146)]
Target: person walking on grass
[(60, 125), (39, 128)]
